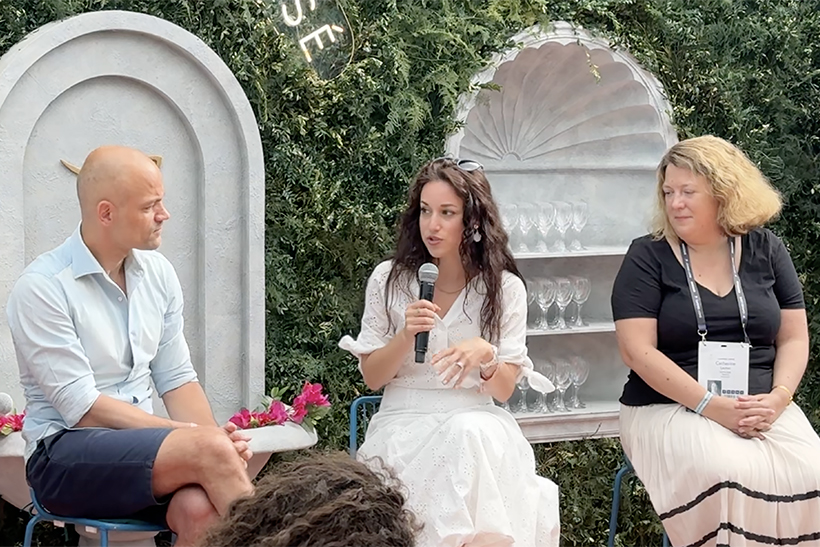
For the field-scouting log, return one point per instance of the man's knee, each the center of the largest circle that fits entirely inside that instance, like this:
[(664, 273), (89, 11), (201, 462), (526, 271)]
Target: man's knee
[(190, 511)]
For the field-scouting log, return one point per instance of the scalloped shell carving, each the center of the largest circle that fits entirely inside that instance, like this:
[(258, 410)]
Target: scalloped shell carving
[(567, 106)]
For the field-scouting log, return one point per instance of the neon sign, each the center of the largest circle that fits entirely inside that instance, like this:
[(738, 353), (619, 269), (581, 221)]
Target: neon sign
[(294, 15)]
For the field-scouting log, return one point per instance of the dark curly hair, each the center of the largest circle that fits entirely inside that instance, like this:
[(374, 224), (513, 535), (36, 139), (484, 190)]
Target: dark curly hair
[(323, 500), (486, 259)]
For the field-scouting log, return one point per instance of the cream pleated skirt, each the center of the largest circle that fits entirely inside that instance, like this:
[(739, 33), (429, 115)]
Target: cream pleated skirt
[(711, 487)]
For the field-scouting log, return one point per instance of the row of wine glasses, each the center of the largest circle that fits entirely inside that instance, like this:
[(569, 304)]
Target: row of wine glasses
[(543, 292), (529, 225), (564, 373)]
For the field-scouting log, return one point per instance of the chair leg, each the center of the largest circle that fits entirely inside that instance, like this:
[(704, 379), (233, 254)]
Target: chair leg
[(616, 504), (665, 540), (103, 538), (30, 530)]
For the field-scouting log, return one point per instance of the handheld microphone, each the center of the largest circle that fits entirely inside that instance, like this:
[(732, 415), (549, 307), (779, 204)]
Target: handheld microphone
[(6, 404), (428, 273)]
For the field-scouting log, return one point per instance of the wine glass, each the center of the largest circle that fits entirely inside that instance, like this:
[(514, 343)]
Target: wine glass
[(544, 221), (548, 370), (580, 215), (540, 405), (526, 222), (562, 382), (509, 220), (545, 297), (581, 288), (533, 307), (579, 372), (563, 296), (563, 220), (523, 387)]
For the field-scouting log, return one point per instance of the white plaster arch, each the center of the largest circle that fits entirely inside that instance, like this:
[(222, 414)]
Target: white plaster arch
[(117, 77)]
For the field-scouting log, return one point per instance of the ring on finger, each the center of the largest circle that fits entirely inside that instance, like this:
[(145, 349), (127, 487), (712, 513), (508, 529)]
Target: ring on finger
[(459, 364)]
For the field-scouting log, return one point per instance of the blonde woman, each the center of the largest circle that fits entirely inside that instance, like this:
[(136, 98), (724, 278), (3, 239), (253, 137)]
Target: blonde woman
[(711, 298)]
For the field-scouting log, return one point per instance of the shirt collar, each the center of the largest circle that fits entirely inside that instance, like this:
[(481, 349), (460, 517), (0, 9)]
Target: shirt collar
[(84, 263)]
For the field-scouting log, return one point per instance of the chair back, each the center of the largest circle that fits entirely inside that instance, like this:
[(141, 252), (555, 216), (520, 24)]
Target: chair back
[(362, 409)]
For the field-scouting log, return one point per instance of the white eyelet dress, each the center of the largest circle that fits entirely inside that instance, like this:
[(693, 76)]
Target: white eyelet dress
[(468, 470)]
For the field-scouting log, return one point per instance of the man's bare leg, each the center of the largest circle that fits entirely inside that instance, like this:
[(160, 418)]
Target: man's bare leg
[(190, 514), (202, 456)]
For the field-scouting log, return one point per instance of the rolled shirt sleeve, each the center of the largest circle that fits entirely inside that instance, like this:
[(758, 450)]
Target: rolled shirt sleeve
[(48, 347), (171, 367)]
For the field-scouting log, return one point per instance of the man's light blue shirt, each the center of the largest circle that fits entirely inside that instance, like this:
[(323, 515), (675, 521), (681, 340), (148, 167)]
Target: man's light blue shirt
[(77, 335)]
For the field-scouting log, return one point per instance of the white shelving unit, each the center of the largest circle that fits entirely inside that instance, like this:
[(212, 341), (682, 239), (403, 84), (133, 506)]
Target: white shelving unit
[(552, 130)]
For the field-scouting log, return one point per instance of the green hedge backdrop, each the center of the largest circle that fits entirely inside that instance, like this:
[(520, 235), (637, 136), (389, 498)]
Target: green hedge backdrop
[(340, 153)]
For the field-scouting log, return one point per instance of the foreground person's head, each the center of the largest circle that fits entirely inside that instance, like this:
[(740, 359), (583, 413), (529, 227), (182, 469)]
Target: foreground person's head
[(319, 501)]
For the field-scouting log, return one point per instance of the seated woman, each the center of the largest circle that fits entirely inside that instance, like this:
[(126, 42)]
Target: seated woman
[(710, 303), (469, 470), (324, 499)]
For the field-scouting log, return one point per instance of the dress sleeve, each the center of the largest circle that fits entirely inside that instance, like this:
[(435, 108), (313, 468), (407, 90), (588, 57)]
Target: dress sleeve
[(375, 332), (787, 288), (512, 342), (636, 292)]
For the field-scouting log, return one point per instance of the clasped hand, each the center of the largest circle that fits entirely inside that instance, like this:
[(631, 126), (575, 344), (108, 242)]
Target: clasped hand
[(750, 416), (455, 362)]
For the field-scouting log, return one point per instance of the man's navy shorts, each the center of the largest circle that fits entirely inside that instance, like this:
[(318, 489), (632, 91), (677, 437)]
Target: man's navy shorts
[(98, 473)]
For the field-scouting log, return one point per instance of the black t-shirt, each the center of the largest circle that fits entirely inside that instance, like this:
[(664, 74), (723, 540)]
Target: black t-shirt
[(652, 284)]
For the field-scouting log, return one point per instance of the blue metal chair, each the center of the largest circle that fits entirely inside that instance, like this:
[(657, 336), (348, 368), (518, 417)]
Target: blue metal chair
[(361, 411), (616, 503), (39, 514)]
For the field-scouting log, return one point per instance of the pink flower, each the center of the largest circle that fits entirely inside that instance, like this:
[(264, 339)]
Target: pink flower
[(242, 419), (11, 423), (298, 411), (312, 395), (276, 414)]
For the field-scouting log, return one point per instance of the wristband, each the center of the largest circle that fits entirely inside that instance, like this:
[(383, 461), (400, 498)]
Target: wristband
[(703, 402)]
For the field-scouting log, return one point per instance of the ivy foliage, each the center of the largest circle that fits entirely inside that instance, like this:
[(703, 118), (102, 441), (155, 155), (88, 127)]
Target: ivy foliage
[(339, 154)]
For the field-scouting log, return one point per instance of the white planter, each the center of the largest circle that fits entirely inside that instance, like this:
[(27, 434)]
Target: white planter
[(13, 486), (276, 438)]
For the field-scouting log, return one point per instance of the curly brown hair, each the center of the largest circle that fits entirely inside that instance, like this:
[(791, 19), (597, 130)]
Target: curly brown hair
[(486, 259), (323, 500)]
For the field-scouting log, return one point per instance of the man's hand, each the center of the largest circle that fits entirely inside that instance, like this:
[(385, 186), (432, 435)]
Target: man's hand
[(240, 441)]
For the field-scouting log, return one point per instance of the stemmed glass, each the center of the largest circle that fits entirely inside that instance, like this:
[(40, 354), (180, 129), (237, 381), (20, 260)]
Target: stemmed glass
[(581, 288), (526, 222), (579, 372), (563, 220), (563, 296), (509, 220), (562, 382), (540, 405), (533, 307), (580, 215), (544, 221), (548, 370), (523, 387), (545, 296)]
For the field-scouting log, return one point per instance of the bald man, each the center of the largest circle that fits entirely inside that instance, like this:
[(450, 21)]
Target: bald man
[(93, 321)]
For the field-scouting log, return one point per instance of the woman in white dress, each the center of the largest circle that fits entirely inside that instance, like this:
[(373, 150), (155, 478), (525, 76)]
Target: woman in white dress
[(468, 469)]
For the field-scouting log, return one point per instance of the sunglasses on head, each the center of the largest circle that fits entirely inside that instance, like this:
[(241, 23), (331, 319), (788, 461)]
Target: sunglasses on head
[(463, 164)]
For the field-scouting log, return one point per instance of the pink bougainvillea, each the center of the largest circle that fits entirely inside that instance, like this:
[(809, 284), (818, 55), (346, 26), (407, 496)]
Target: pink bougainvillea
[(308, 407), (11, 423)]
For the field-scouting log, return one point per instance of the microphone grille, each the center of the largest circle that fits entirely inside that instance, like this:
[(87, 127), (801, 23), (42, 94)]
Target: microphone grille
[(6, 404), (428, 273)]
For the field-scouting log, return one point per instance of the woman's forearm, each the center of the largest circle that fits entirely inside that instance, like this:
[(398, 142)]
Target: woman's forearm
[(502, 383), (382, 365), (665, 376), (790, 363)]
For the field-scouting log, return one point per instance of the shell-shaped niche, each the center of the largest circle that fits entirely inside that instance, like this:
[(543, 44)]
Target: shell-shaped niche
[(564, 105)]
